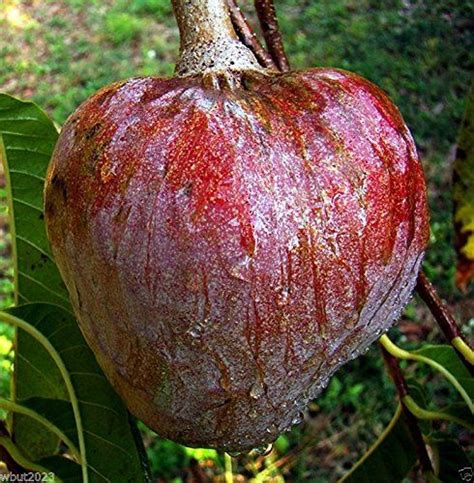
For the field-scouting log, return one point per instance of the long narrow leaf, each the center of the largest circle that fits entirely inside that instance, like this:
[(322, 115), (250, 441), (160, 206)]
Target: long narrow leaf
[(104, 435), (27, 139), (105, 440)]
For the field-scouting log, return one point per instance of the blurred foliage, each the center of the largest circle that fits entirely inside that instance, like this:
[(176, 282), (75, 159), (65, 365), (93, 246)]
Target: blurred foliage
[(463, 196), (419, 51)]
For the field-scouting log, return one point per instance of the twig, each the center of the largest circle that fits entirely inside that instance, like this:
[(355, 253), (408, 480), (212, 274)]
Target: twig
[(445, 320), (271, 31), (439, 310), (247, 36), (412, 422), (400, 353), (422, 413)]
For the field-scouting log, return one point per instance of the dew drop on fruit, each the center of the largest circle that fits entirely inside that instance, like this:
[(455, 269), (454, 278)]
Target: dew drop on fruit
[(196, 330), (282, 298), (271, 429), (264, 450), (298, 419), (253, 413), (234, 454), (256, 390)]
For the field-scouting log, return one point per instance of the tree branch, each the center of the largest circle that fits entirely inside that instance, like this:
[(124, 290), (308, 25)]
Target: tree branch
[(439, 310), (247, 36), (271, 31), (412, 422), (443, 317)]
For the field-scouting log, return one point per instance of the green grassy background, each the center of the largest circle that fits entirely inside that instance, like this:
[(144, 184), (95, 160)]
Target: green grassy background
[(420, 52)]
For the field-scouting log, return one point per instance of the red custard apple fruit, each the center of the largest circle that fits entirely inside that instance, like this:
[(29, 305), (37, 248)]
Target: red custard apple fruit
[(231, 236)]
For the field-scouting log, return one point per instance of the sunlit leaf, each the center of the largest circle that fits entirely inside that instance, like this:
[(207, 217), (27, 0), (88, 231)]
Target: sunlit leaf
[(463, 195), (28, 137)]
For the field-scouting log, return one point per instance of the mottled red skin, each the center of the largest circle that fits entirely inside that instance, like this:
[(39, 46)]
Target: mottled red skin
[(226, 251)]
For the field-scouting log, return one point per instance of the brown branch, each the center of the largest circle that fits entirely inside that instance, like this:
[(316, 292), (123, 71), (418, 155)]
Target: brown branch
[(440, 312), (437, 307), (247, 36), (412, 422), (271, 31)]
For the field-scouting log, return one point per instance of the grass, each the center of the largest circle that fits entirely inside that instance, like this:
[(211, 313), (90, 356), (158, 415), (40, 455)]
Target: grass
[(59, 52)]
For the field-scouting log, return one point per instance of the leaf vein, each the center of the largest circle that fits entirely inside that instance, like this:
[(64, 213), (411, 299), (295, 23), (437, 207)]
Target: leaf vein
[(23, 274), (23, 202), (35, 246), (111, 443), (25, 173)]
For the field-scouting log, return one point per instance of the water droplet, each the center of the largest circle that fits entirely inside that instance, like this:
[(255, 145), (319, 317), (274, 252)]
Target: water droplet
[(241, 270), (264, 450), (257, 390), (282, 298), (271, 428), (226, 382), (253, 413), (350, 322), (234, 454), (298, 419), (196, 331)]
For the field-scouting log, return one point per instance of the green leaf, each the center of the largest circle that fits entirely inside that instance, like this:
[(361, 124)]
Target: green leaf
[(45, 422), (64, 468), (18, 456), (418, 393), (441, 358), (451, 459), (27, 140), (389, 459), (90, 413), (457, 413), (447, 357), (463, 196)]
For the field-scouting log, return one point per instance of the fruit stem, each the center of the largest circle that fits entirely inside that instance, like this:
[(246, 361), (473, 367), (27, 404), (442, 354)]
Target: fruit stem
[(208, 40)]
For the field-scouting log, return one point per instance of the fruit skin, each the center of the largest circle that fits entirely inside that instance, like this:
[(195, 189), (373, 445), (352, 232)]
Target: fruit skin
[(226, 250)]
